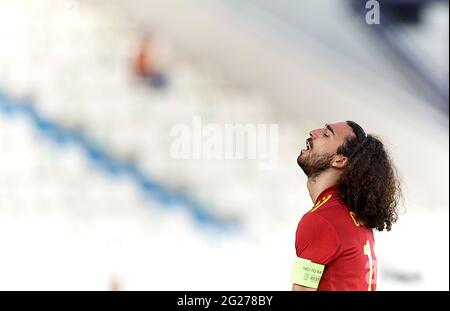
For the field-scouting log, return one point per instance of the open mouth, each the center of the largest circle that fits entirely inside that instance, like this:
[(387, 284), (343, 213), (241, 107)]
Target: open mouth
[(308, 145)]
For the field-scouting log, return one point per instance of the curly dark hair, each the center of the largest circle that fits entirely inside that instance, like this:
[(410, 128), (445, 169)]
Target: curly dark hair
[(369, 185)]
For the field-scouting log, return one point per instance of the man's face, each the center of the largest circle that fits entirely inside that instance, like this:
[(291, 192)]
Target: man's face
[(321, 147)]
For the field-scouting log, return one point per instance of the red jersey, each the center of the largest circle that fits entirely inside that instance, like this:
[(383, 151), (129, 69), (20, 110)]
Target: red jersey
[(329, 234)]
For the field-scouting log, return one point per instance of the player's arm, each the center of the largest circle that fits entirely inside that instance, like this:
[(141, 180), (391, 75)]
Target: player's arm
[(306, 275), (317, 244), (299, 288)]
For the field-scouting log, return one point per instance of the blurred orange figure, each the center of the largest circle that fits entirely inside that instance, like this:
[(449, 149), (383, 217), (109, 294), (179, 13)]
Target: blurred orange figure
[(144, 64)]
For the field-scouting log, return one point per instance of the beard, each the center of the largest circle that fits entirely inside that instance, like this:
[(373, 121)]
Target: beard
[(313, 165)]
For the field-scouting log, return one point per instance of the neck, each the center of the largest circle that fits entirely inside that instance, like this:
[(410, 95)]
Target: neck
[(321, 182)]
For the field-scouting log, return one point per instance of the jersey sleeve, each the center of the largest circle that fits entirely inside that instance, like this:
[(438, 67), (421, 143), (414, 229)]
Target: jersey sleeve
[(316, 239)]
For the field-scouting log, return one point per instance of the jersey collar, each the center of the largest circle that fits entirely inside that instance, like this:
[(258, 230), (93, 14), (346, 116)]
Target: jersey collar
[(324, 193)]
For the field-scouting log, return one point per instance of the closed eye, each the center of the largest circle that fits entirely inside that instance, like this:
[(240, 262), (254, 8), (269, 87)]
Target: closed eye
[(329, 128)]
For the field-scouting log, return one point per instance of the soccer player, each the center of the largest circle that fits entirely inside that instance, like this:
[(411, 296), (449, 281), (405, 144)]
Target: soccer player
[(354, 187)]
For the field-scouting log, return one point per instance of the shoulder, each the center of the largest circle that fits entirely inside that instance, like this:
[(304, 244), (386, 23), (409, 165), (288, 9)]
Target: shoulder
[(313, 219), (330, 208), (327, 217), (317, 239), (313, 225), (338, 216)]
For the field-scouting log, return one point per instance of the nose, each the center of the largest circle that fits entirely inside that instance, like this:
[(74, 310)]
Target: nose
[(314, 133)]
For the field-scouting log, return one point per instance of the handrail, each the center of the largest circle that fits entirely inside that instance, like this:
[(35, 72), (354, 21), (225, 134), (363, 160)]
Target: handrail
[(114, 167)]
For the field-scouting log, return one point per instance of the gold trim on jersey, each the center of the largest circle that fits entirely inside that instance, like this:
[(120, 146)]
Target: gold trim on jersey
[(321, 202)]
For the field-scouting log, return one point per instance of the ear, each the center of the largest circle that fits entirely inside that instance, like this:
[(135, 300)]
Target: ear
[(339, 161)]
